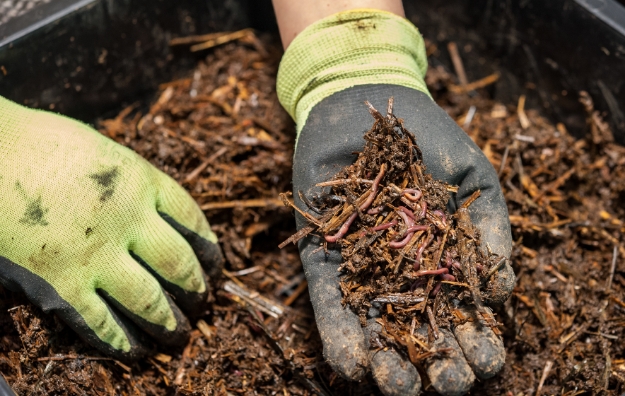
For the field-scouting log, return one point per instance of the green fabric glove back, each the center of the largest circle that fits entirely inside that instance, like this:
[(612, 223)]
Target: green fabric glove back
[(94, 232)]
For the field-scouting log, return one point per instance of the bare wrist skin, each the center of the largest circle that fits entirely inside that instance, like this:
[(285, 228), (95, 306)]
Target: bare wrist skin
[(295, 15)]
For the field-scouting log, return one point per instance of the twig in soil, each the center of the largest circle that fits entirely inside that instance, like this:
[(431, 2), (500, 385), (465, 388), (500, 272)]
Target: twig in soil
[(249, 203), (612, 269), (296, 293), (546, 371), (222, 39), (196, 172), (458, 66), (255, 299), (481, 83), (433, 324)]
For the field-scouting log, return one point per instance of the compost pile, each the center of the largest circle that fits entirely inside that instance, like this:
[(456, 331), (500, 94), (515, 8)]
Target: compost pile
[(398, 244), (222, 134)]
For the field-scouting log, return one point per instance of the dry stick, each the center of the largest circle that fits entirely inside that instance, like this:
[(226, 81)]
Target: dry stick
[(248, 203), (457, 61), (307, 216), (296, 293), (612, 269), (481, 83), (227, 37), (432, 320), (340, 182), (196, 172), (546, 371)]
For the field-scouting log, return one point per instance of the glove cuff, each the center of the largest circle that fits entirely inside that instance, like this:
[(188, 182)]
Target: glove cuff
[(356, 47)]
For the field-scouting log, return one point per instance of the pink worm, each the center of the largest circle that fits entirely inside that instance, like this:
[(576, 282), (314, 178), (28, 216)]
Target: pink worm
[(409, 231), (412, 194), (420, 250), (402, 243), (436, 289), (424, 208), (343, 230), (374, 188), (439, 271), (441, 214), (456, 265), (384, 226), (448, 277), (345, 227), (406, 211)]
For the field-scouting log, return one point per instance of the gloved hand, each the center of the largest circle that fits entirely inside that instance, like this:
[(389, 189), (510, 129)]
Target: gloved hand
[(326, 74), (91, 231)]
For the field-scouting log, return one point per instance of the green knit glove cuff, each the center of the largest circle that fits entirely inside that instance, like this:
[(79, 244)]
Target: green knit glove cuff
[(346, 49)]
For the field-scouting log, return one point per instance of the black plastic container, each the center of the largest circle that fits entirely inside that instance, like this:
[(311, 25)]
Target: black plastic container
[(85, 58)]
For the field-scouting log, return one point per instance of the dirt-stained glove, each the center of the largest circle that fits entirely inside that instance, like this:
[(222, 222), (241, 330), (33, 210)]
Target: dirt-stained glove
[(91, 231), (326, 74)]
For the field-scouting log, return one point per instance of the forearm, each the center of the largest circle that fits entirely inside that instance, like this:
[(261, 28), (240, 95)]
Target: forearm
[(295, 16)]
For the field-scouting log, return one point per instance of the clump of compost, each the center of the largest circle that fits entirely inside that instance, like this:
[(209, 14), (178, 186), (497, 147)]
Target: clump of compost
[(403, 252)]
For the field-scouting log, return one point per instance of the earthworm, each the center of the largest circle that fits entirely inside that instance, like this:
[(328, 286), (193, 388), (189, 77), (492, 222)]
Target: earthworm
[(479, 267), (343, 230), (420, 250), (417, 228), (374, 188), (417, 283), (406, 211), (409, 232), (424, 208), (412, 194), (402, 243), (456, 265), (441, 214), (432, 272), (384, 226), (436, 289), (448, 277), (345, 227)]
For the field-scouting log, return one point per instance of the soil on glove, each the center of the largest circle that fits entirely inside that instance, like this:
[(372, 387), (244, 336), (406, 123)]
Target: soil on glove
[(403, 255), (222, 134)]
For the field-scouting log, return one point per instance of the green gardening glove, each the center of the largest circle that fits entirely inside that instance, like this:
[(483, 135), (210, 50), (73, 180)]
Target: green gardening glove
[(91, 231), (325, 76)]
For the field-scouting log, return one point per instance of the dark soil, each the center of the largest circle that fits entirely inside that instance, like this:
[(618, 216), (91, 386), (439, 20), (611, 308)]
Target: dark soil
[(223, 135)]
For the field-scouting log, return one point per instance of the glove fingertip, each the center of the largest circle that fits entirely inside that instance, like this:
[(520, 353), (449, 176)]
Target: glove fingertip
[(500, 286), (395, 375), (208, 253)]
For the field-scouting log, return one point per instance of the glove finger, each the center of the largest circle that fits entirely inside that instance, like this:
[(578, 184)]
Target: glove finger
[(482, 348), (489, 214), (343, 340), (84, 312), (139, 296), (169, 258), (449, 373), (179, 209), (393, 373)]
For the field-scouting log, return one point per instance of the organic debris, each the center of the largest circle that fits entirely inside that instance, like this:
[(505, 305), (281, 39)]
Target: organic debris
[(399, 244), (563, 327)]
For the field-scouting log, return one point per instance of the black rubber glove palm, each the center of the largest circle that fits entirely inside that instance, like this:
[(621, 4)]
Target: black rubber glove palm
[(332, 133)]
